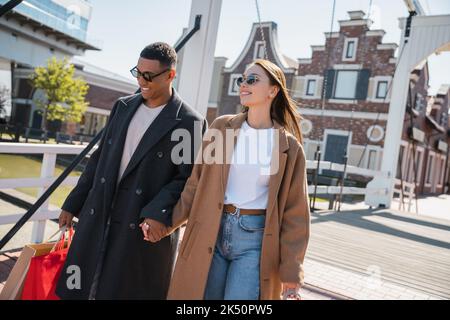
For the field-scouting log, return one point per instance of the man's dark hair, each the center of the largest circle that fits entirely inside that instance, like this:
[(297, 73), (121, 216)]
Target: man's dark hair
[(162, 52)]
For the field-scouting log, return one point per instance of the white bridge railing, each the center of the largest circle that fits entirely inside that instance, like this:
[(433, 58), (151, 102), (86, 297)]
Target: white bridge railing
[(46, 178), (326, 165)]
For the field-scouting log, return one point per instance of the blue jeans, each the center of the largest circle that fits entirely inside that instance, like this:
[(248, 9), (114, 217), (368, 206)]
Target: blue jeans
[(234, 271)]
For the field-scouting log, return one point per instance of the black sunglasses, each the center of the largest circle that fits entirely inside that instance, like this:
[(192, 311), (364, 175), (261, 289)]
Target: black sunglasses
[(250, 80), (148, 76)]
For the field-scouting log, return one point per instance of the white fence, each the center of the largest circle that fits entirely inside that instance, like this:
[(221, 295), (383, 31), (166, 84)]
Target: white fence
[(46, 178), (48, 167), (326, 165)]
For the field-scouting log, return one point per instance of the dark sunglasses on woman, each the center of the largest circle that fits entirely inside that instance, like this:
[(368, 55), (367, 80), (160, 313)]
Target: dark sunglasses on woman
[(250, 80), (148, 76)]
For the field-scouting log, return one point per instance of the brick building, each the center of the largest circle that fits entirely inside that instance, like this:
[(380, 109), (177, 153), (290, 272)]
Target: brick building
[(254, 49), (425, 136), (353, 71)]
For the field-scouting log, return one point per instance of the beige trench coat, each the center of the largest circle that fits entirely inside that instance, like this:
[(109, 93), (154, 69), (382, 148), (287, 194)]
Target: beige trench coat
[(287, 225)]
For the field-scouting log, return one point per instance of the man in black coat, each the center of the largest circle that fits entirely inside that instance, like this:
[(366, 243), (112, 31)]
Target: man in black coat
[(136, 175)]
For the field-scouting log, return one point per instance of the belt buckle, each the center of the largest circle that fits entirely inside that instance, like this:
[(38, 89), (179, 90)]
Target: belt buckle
[(235, 211)]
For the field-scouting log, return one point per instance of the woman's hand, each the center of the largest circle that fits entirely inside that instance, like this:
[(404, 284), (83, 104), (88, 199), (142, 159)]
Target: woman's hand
[(291, 291), (153, 230)]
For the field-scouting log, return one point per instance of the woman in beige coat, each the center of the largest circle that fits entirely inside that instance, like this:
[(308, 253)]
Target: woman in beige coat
[(248, 221)]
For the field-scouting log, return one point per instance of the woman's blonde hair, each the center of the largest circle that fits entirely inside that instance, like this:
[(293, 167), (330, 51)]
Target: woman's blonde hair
[(283, 108)]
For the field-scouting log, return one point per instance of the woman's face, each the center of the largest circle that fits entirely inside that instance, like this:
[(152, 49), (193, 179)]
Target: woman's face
[(256, 89)]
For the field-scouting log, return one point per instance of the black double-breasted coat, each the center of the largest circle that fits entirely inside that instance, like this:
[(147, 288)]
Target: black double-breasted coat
[(108, 252)]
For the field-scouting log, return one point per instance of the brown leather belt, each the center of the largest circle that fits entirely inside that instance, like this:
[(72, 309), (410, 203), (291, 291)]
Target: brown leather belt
[(231, 209)]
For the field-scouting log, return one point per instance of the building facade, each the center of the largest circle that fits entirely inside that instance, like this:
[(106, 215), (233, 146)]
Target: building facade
[(423, 157), (343, 93), (254, 49), (37, 30)]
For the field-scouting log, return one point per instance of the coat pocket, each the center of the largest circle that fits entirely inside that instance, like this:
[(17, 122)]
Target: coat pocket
[(189, 240)]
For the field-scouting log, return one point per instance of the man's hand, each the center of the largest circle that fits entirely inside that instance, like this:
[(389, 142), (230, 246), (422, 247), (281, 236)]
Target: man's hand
[(65, 219), (153, 230), (291, 291)]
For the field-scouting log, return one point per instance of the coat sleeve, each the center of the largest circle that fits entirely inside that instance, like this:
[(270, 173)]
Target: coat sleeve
[(183, 207), (160, 208), (76, 198), (295, 225)]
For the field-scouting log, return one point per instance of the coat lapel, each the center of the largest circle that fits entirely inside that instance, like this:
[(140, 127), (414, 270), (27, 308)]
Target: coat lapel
[(275, 180), (233, 124), (117, 148), (163, 123), (281, 144)]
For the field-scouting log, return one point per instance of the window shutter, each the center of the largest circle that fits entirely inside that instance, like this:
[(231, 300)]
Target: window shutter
[(329, 78), (363, 84)]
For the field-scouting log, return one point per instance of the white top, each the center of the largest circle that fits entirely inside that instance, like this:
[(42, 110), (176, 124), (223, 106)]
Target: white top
[(141, 121), (248, 179)]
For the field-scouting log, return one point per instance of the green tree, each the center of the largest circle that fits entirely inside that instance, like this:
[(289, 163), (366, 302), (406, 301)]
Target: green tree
[(64, 94)]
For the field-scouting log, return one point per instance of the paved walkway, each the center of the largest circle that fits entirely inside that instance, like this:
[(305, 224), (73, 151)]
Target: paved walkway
[(359, 254), (381, 254), (431, 206)]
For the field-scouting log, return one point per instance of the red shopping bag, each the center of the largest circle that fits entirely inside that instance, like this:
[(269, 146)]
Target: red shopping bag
[(44, 271)]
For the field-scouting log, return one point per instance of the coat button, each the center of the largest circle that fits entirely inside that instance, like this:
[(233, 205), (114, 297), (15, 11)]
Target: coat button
[(102, 180), (132, 226), (110, 141), (92, 212), (160, 154), (220, 205), (163, 210), (210, 250), (138, 192)]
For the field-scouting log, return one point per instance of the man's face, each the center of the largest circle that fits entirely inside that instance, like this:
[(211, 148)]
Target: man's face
[(152, 89)]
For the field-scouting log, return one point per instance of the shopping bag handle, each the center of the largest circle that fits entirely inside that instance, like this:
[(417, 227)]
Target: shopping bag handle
[(62, 239), (62, 229)]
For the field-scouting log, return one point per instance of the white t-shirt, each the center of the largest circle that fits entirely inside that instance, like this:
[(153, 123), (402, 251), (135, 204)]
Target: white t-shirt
[(248, 179), (141, 121)]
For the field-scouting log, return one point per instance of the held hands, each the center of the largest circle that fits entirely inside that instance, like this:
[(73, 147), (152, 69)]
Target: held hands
[(153, 230), (291, 291)]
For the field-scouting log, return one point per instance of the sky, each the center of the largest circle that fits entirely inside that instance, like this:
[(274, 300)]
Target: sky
[(123, 28)]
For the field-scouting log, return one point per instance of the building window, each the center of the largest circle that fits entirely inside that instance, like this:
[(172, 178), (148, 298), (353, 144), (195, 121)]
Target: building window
[(350, 46), (233, 88), (419, 103), (416, 168), (444, 119), (372, 159), (441, 172), (259, 52), (378, 90), (311, 87), (350, 50), (430, 165), (400, 168), (375, 133), (346, 84), (382, 88)]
